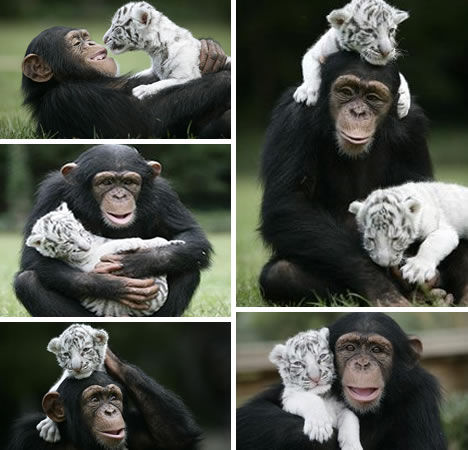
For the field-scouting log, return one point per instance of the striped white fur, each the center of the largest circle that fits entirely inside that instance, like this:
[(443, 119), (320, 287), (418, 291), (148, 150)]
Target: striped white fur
[(80, 350), (174, 52), (391, 219), (60, 235), (364, 26), (305, 364)]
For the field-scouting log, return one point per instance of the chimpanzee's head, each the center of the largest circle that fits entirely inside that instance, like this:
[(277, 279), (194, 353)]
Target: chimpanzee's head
[(355, 99), (373, 358), (110, 184), (89, 412), (62, 53)]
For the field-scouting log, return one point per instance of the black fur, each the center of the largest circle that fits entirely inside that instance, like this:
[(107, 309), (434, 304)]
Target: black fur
[(308, 186), (408, 417), (158, 420), (49, 287), (79, 102)]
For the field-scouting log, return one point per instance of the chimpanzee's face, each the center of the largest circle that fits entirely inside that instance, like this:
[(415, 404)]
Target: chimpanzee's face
[(86, 51)]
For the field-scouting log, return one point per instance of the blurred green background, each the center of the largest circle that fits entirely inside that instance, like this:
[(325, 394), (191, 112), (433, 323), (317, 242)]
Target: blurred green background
[(200, 174), (445, 355), (22, 20), (270, 48), (191, 359)]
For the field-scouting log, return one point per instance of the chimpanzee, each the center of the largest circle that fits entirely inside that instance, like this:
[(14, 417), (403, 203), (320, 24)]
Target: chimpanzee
[(378, 377), (93, 413), (316, 161), (115, 193), (71, 87)]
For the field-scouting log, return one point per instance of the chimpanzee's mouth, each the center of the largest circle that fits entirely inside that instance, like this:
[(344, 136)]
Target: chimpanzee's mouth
[(367, 394), (356, 140), (114, 434), (99, 56), (119, 219)]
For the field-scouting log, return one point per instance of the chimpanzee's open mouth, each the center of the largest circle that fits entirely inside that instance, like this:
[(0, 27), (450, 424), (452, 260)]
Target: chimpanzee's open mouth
[(99, 56), (363, 394), (119, 219), (114, 434)]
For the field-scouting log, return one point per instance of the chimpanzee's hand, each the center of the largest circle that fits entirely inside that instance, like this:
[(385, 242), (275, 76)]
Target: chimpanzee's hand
[(139, 264), (133, 292), (212, 56)]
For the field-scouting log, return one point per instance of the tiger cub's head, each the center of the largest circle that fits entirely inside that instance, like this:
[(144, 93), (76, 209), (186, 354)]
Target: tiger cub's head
[(388, 221), (305, 361), (58, 234), (129, 28), (368, 27)]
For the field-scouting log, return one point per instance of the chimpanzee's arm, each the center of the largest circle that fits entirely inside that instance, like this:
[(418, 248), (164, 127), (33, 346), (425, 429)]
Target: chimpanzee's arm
[(262, 424), (184, 110), (88, 109), (161, 421), (311, 237), (176, 223)]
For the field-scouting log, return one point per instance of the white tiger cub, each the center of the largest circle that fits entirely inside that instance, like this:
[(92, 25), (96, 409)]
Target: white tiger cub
[(365, 26), (174, 52), (80, 350), (305, 364), (392, 219), (58, 234)]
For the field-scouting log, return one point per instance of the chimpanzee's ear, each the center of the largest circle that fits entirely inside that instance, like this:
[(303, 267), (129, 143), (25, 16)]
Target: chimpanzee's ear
[(35, 68), (53, 407), (417, 345), (155, 167), (67, 170)]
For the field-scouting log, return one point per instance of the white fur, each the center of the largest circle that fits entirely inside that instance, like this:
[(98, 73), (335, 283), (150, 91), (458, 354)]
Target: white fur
[(174, 52), (334, 40), (438, 214)]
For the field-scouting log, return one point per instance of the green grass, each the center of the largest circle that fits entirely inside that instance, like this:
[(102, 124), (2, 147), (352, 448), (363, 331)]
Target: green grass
[(15, 36), (251, 254), (212, 299)]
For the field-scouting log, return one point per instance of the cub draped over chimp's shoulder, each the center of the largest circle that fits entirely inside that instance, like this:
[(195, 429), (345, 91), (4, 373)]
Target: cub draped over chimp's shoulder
[(316, 161), (116, 194), (379, 379)]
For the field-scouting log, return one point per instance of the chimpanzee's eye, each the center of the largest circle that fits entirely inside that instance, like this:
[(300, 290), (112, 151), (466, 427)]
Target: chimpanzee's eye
[(350, 348), (376, 349)]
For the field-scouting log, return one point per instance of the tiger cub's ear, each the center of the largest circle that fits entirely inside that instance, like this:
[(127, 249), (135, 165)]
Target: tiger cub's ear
[(412, 205), (54, 346), (324, 332), (277, 354), (355, 207), (339, 16), (34, 241)]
